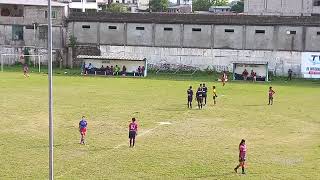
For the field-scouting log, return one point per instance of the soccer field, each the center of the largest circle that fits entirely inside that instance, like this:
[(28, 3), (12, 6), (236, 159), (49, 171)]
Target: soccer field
[(283, 140)]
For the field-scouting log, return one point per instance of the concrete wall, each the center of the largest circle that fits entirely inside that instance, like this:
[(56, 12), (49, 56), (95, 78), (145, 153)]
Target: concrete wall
[(223, 38), (112, 33), (256, 39), (86, 32), (140, 34), (197, 36), (219, 59), (313, 39), (280, 7), (168, 35), (290, 42)]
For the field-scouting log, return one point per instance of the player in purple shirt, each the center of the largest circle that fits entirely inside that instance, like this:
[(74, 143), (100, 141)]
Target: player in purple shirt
[(133, 131), (83, 129)]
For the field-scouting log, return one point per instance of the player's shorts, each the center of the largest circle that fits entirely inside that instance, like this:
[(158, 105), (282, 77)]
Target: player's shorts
[(189, 98), (214, 97), (270, 97), (204, 95), (83, 131), (132, 134), (199, 99), (242, 159)]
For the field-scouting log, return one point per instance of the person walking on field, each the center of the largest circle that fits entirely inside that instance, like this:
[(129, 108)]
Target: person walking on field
[(199, 98), (204, 93), (83, 129), (25, 70), (242, 156), (214, 94), (133, 132), (190, 96), (271, 93), (224, 78)]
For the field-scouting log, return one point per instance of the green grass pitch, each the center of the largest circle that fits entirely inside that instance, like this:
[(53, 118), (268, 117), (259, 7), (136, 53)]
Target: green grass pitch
[(283, 140)]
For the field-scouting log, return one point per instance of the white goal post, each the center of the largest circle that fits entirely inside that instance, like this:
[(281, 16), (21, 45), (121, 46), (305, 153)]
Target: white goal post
[(10, 59)]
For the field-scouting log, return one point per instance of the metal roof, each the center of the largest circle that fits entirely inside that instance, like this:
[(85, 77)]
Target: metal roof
[(112, 57), (32, 2)]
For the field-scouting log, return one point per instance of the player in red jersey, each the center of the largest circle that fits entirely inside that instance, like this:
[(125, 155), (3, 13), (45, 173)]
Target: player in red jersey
[(224, 78), (133, 132), (242, 156), (271, 93)]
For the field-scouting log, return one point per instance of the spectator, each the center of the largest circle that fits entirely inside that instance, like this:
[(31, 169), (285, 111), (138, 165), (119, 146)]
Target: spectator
[(83, 68), (289, 75), (245, 74), (139, 71), (254, 77), (124, 70), (108, 70), (117, 70), (90, 68), (142, 70), (111, 70)]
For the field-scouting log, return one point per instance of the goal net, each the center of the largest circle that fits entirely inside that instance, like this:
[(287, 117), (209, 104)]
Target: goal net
[(7, 60)]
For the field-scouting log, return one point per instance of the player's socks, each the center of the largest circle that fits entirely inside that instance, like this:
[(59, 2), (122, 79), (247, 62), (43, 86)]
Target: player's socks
[(243, 172)]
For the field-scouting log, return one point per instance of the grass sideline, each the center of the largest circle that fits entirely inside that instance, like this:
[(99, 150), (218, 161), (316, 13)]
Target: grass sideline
[(283, 140)]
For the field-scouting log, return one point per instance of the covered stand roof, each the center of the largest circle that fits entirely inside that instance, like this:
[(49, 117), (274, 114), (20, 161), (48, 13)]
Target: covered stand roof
[(112, 57)]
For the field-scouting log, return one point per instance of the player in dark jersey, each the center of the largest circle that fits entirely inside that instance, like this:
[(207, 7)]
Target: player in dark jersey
[(83, 129), (199, 98), (190, 96), (271, 93), (133, 131), (204, 93)]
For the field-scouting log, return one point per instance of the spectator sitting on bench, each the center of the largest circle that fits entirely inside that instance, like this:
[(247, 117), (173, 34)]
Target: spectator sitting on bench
[(117, 70), (142, 70), (245, 74), (139, 71), (124, 70), (89, 69), (108, 70), (111, 70)]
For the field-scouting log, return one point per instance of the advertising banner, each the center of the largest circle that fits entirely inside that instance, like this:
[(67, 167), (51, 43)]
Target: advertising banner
[(310, 64)]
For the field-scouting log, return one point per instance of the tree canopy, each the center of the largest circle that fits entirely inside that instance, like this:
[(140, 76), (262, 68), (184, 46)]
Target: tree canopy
[(159, 5), (204, 5)]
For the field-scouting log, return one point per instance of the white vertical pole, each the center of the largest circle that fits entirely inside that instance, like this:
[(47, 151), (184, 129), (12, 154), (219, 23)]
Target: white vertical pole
[(39, 61), (50, 91), (1, 63)]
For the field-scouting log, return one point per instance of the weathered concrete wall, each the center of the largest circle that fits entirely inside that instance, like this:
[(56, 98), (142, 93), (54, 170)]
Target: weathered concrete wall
[(259, 37), (112, 33), (140, 34), (279, 7), (220, 59), (290, 42), (197, 36), (312, 38), (168, 35), (272, 37), (225, 38)]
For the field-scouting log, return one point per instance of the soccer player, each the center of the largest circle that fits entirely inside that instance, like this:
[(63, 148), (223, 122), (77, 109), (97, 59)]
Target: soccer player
[(214, 94), (133, 131), (271, 93), (190, 96), (224, 78), (199, 98), (204, 93), (242, 156), (83, 129), (25, 70)]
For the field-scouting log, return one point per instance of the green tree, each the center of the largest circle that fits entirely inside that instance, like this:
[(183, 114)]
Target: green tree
[(238, 7), (201, 5), (159, 5), (116, 8), (220, 2)]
